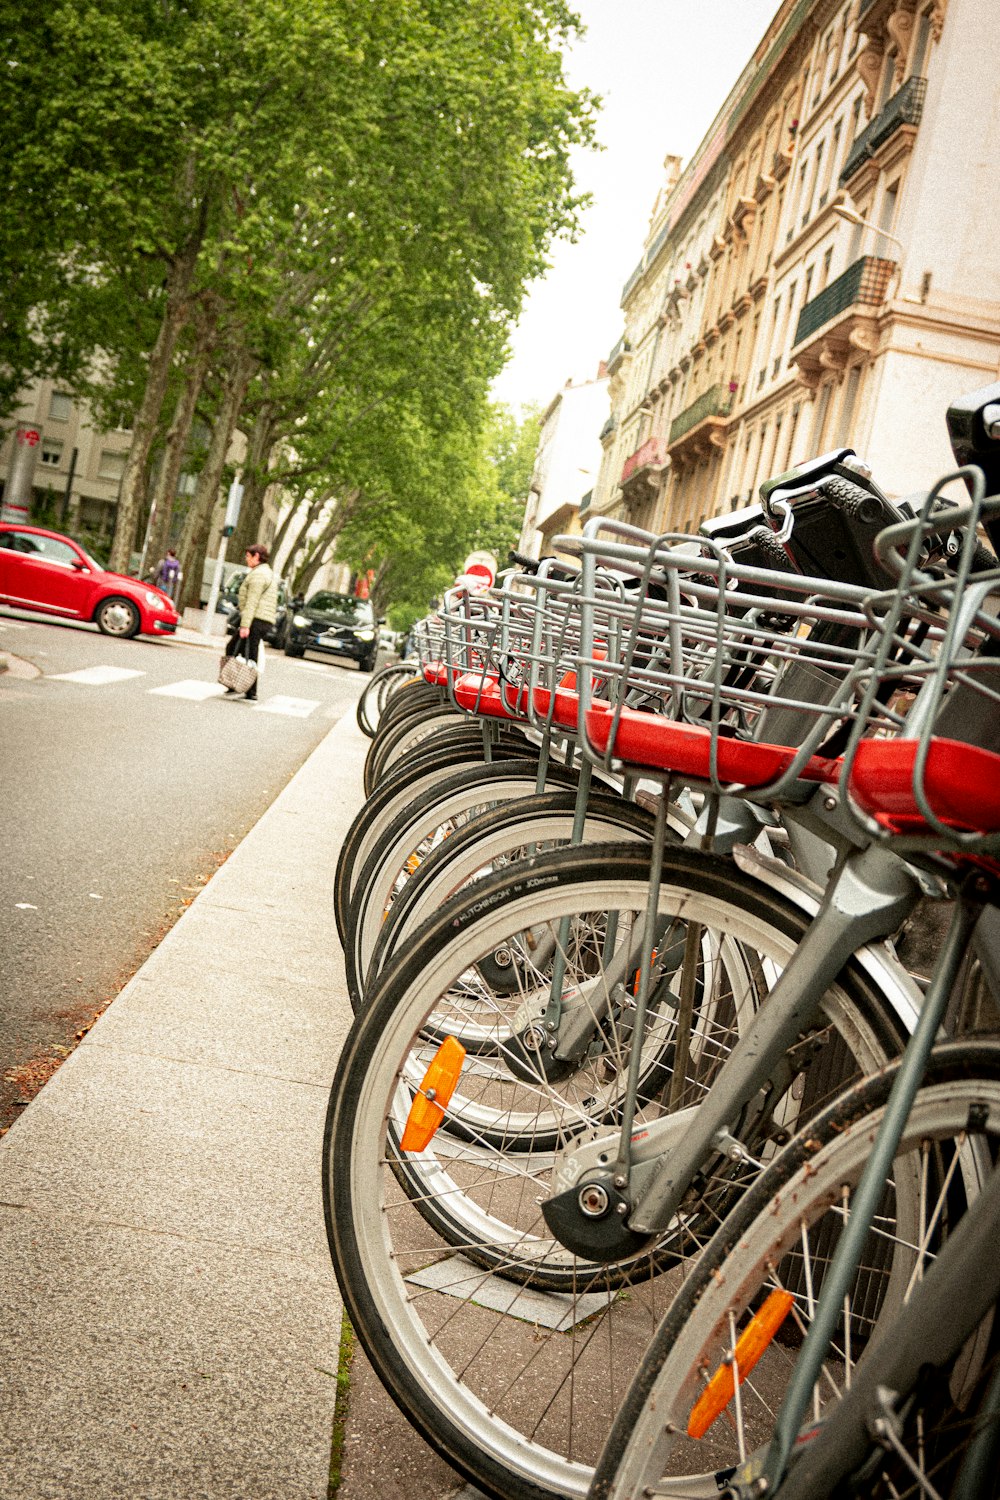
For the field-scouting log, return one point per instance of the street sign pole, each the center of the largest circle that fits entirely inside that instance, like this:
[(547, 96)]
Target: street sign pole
[(228, 527), (17, 491)]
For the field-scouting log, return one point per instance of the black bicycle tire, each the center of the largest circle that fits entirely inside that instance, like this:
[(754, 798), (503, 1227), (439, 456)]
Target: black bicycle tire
[(475, 783), (465, 750), (371, 697), (512, 815)]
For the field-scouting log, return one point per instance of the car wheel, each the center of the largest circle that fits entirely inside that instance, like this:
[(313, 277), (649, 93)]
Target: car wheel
[(293, 650), (117, 616), (367, 663)]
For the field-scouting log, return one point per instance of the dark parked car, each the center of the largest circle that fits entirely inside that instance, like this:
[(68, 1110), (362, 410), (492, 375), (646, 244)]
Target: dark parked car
[(337, 625), (229, 604)]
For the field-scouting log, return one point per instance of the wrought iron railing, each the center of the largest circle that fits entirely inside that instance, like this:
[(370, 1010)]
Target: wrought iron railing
[(622, 347), (904, 108), (717, 401), (864, 282)]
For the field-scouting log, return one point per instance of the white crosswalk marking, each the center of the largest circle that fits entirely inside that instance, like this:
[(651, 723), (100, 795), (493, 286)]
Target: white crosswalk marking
[(96, 676), (191, 688), (295, 708)]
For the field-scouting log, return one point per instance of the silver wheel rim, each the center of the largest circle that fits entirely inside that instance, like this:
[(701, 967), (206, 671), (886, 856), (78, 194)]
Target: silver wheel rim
[(377, 1197), (117, 617)]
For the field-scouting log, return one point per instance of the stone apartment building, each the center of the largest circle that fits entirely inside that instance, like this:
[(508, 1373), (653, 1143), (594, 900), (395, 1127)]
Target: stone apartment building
[(822, 272), (566, 463), (77, 468)]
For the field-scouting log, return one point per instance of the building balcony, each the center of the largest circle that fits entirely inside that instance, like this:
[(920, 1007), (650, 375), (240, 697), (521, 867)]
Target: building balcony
[(652, 454), (843, 319), (903, 111), (863, 284), (701, 426), (618, 354)]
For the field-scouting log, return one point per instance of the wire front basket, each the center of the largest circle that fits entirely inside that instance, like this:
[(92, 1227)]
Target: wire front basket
[(764, 683)]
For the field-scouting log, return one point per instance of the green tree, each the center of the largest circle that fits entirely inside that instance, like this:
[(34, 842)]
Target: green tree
[(360, 191)]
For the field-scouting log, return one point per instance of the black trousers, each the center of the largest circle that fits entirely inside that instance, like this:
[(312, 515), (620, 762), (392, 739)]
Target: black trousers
[(237, 646)]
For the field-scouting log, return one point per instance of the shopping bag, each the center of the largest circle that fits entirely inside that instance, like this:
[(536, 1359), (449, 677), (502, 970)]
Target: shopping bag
[(238, 673)]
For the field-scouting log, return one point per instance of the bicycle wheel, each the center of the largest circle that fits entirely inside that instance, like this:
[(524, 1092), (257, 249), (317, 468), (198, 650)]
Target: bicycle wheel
[(405, 786), (494, 839), (417, 829), (510, 1354), (777, 1244), (406, 733), (381, 687)]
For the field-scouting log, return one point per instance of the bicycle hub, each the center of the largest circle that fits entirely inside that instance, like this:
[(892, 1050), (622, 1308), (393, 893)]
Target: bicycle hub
[(589, 1220)]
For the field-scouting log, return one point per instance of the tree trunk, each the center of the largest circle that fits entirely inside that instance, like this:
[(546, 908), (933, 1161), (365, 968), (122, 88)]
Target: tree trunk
[(255, 480), (191, 549), (165, 493), (310, 511), (296, 549), (320, 548), (179, 279)]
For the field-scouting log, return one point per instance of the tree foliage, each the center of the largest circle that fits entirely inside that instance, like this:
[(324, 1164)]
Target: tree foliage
[(350, 196)]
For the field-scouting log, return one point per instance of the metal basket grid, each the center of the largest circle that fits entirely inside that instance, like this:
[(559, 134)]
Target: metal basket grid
[(952, 673), (739, 652)]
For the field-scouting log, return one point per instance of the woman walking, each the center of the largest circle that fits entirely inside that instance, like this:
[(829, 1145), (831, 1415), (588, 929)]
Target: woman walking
[(258, 607)]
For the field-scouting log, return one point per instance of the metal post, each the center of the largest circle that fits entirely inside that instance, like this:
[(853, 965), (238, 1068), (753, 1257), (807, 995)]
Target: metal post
[(229, 526), (67, 492)]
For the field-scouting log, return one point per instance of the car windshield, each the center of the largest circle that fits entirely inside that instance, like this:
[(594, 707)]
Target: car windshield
[(342, 608)]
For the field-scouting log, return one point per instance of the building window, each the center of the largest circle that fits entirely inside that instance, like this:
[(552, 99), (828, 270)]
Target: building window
[(856, 116), (888, 77), (920, 45), (819, 422), (794, 422), (848, 404), (112, 464), (824, 275), (52, 450), (834, 157), (886, 219), (60, 407)]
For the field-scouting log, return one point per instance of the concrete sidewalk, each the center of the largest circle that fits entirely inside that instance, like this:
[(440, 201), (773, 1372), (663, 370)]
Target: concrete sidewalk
[(169, 1321)]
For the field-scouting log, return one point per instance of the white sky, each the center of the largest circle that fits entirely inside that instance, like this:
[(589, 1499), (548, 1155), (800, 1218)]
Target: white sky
[(663, 68)]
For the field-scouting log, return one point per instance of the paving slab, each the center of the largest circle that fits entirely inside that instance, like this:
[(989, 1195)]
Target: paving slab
[(170, 1323)]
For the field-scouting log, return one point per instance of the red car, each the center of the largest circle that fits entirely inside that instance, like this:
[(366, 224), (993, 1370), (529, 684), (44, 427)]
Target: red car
[(46, 571)]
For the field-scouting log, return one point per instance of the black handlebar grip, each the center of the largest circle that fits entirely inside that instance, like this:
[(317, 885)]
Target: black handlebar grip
[(856, 503), (983, 560), (529, 564), (767, 541)]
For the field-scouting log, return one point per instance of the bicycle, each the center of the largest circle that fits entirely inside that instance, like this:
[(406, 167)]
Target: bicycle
[(845, 1359), (475, 1186)]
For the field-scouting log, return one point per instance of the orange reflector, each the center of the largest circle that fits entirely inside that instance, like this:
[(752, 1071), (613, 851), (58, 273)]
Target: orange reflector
[(750, 1345), (638, 973), (436, 1089)]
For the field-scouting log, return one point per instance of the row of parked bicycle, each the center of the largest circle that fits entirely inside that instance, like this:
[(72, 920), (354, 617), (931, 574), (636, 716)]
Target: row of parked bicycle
[(657, 1162)]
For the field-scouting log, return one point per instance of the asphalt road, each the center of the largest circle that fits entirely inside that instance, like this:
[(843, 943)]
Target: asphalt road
[(122, 795)]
